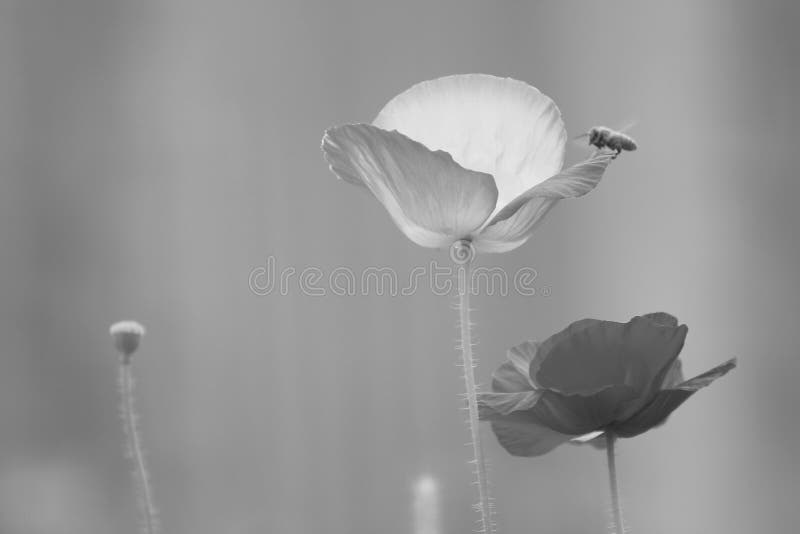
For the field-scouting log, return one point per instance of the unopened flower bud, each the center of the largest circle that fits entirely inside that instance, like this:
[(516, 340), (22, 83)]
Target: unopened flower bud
[(127, 335)]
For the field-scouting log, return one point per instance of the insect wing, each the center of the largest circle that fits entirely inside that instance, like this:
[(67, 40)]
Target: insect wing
[(627, 126)]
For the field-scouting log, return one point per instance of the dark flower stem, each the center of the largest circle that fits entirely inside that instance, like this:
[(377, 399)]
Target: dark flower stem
[(616, 511), (468, 363), (134, 446)]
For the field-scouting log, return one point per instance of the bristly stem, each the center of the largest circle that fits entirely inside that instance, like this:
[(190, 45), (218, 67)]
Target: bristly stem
[(464, 290), (616, 511), (134, 446)]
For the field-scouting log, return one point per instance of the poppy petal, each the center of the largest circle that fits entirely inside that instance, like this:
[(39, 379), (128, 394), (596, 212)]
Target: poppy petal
[(661, 355), (572, 182), (491, 405), (674, 375), (521, 435), (512, 375), (580, 414), (500, 126), (514, 223), (662, 319), (606, 353), (514, 231), (666, 401), (586, 438), (433, 200), (596, 439), (547, 345)]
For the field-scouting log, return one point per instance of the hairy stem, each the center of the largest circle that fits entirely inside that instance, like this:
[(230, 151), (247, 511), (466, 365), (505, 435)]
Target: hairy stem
[(134, 446), (464, 290), (616, 511)]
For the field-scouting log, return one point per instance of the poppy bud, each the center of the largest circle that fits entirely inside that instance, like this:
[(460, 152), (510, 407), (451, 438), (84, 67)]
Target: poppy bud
[(127, 335)]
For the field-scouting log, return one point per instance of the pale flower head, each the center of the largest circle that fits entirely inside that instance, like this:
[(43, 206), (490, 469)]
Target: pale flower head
[(466, 157)]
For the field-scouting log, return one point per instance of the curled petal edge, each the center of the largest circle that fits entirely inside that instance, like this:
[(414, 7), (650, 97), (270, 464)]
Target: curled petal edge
[(668, 400), (513, 232), (513, 224), (572, 182)]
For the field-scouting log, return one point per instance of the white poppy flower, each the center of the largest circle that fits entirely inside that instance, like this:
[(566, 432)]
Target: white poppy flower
[(466, 157)]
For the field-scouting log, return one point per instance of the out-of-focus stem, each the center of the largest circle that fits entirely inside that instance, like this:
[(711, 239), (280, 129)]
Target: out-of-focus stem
[(468, 363), (616, 511), (145, 495), (426, 506)]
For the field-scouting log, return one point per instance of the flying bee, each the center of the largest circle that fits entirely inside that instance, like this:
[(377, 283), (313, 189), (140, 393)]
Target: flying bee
[(604, 137)]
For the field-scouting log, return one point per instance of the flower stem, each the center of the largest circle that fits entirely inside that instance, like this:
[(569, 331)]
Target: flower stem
[(616, 511), (134, 446), (426, 506), (468, 363)]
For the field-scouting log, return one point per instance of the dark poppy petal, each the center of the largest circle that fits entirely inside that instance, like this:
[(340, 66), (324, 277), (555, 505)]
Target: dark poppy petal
[(666, 401), (534, 422), (604, 353), (521, 435), (544, 348), (665, 347), (662, 319), (580, 414)]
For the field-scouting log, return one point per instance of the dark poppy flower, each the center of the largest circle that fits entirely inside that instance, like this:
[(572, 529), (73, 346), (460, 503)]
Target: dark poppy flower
[(594, 377)]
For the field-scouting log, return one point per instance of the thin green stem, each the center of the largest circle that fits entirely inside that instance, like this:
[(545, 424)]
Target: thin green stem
[(468, 363), (616, 511), (134, 445)]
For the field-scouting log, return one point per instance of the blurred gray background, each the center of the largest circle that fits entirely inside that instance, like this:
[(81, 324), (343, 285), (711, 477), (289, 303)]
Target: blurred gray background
[(153, 153)]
